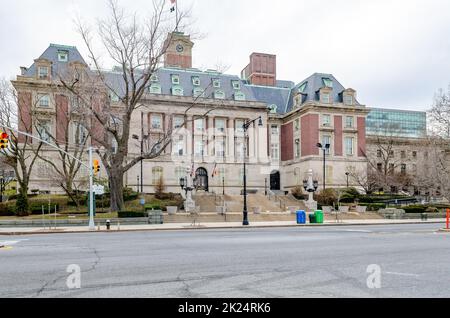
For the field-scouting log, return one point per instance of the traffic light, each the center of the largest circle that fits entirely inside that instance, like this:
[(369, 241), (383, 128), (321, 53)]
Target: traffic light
[(4, 140), (96, 167)]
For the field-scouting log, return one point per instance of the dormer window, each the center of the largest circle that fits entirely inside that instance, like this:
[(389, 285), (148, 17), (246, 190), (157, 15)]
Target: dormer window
[(43, 72), (302, 88), (113, 97), (155, 89), (325, 98), (219, 95), (175, 79), (63, 56), (195, 80), (154, 78), (198, 92), (236, 85), (177, 91), (44, 100), (327, 82), (348, 99), (216, 83), (239, 96), (273, 109)]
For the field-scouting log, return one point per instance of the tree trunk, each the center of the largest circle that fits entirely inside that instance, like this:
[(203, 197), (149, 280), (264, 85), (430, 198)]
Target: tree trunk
[(116, 189), (22, 205)]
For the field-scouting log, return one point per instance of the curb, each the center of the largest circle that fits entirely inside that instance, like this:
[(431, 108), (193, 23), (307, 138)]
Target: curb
[(216, 228)]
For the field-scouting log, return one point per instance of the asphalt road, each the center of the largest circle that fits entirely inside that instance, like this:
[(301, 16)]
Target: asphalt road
[(279, 262)]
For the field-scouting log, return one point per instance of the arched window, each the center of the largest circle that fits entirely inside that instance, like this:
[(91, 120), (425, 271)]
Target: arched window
[(219, 95), (155, 89), (177, 91), (239, 96)]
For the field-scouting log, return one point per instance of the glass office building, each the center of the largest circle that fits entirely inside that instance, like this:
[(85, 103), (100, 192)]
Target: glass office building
[(396, 123)]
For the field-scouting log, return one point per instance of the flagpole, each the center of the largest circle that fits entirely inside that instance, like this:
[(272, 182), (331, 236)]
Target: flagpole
[(176, 13)]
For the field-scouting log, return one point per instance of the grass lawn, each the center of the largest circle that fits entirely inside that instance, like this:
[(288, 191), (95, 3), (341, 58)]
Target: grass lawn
[(66, 211)]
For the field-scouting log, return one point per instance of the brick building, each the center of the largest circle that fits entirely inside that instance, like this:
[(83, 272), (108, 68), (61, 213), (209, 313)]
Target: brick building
[(296, 117)]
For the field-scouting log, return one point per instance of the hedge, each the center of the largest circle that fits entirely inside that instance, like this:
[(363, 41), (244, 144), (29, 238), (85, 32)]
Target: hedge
[(374, 206), (7, 209), (123, 215)]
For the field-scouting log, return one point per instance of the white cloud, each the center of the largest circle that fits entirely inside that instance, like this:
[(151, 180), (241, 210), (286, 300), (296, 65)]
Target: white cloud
[(394, 53)]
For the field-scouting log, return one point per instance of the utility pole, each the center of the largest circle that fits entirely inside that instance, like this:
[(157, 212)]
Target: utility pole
[(91, 191)]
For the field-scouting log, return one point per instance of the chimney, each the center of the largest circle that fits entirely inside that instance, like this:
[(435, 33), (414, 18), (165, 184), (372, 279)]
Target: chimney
[(262, 70), (179, 50)]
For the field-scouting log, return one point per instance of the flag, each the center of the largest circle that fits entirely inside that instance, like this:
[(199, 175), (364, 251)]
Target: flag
[(214, 173), (173, 2)]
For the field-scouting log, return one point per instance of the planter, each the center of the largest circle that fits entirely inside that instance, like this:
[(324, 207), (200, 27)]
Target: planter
[(361, 209), (327, 209), (344, 209), (172, 210), (256, 209)]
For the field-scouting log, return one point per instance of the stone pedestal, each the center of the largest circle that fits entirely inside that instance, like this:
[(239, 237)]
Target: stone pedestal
[(311, 204)]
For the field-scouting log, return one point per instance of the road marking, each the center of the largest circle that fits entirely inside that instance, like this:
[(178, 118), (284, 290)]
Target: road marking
[(358, 231), (402, 274), (7, 243)]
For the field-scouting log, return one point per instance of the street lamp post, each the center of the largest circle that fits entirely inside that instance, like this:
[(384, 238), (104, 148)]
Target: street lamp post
[(245, 127), (324, 148), (142, 139), (347, 174), (223, 185)]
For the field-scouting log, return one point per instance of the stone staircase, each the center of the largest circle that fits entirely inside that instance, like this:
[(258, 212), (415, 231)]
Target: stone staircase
[(235, 203)]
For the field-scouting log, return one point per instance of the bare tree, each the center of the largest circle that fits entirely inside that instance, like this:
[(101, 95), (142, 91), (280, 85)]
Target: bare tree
[(439, 114), (70, 137), (22, 152), (366, 179), (137, 47)]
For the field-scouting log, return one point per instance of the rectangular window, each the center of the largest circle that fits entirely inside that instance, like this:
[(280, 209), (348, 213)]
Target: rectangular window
[(220, 125), (325, 98), (403, 169), (349, 149), (239, 149), (380, 167), (326, 120), (275, 151), (220, 148), (178, 121), (219, 95), (199, 148), (239, 127), (349, 122), (63, 56), (414, 154), (403, 154), (80, 133), (216, 83), (179, 146), (275, 130), (43, 72), (44, 100), (236, 85), (155, 89), (379, 153), (199, 125), (348, 100), (195, 80), (44, 130), (198, 92), (156, 121), (175, 79)]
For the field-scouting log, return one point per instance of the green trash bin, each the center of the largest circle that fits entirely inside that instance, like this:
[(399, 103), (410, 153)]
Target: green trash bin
[(312, 218), (319, 216)]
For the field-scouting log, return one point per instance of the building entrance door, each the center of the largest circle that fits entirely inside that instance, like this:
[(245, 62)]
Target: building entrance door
[(275, 183), (201, 176)]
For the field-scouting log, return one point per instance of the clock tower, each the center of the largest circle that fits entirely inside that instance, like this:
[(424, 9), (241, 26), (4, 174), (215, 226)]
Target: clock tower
[(179, 50)]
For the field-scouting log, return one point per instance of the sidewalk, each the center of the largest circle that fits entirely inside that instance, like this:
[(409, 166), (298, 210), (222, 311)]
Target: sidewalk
[(218, 225)]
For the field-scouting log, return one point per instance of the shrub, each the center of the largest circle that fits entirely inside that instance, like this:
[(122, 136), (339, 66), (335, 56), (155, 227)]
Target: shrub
[(7, 209), (152, 207), (326, 197), (415, 209), (374, 206), (123, 215), (159, 189)]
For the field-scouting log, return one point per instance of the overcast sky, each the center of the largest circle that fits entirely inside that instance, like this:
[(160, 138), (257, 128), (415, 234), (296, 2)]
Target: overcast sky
[(395, 53)]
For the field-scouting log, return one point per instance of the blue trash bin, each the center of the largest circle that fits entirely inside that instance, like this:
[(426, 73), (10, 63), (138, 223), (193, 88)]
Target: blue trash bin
[(301, 217)]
